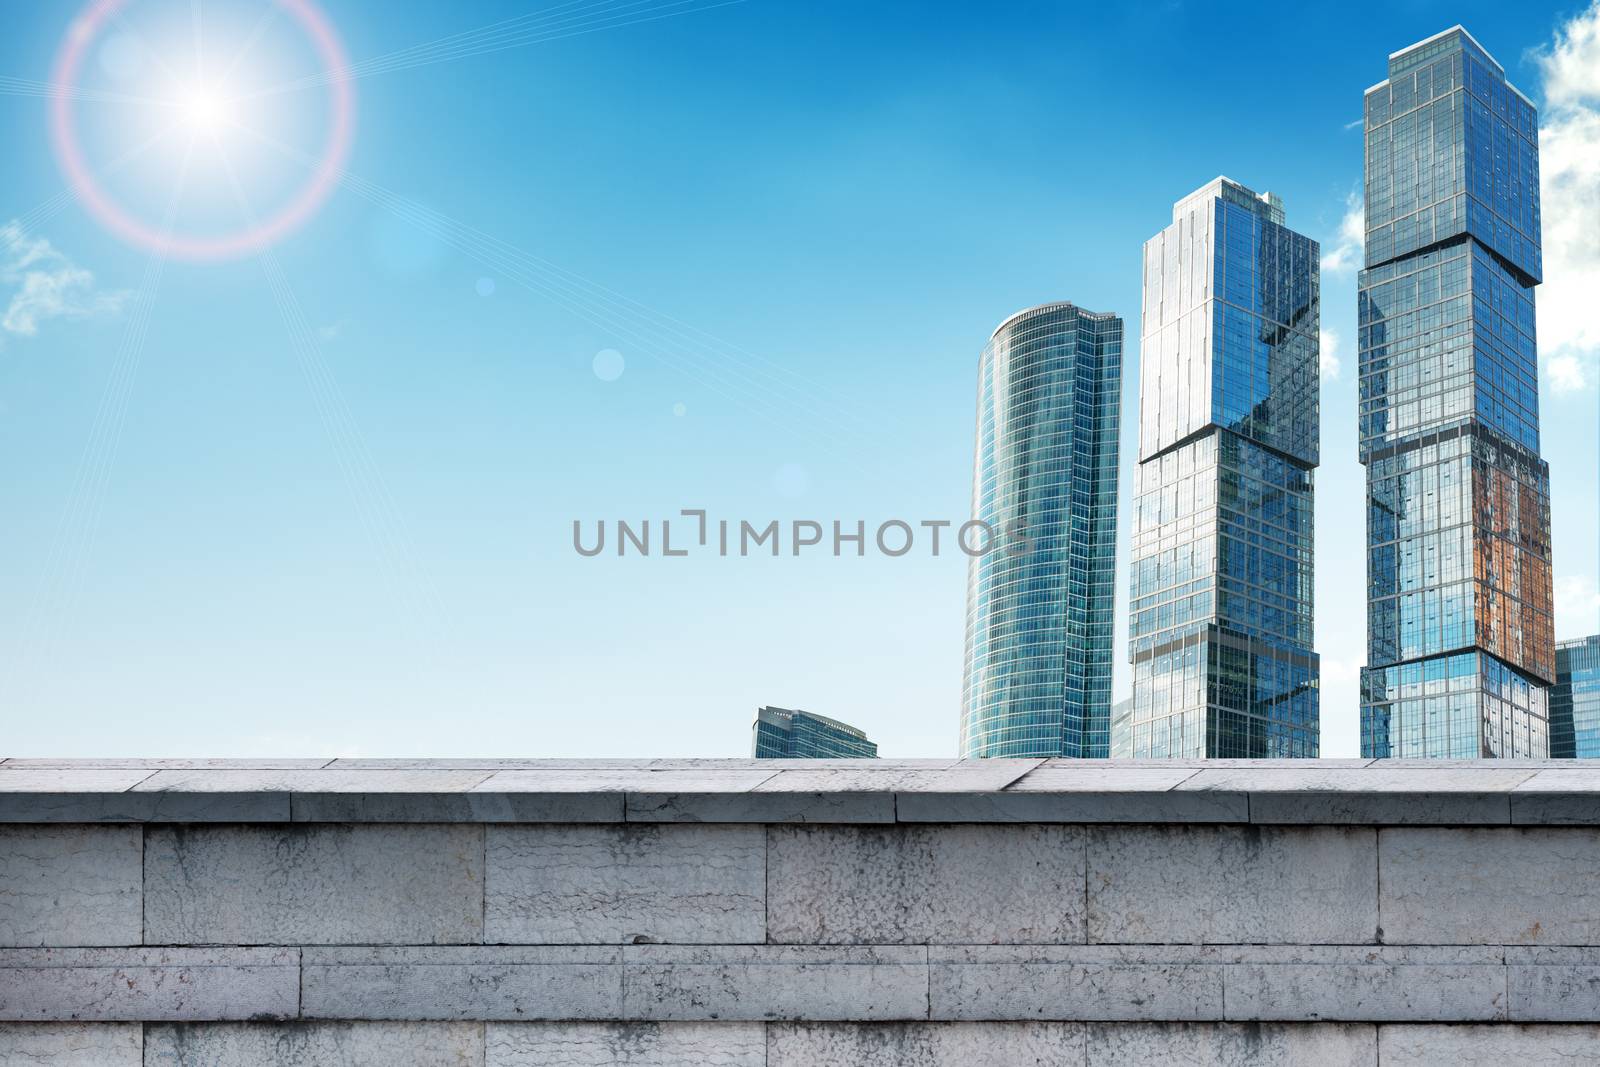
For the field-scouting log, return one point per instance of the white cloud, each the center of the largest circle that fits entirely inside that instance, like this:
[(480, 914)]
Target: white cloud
[(1569, 164), (43, 284), (1330, 353), (1577, 606), (1345, 255)]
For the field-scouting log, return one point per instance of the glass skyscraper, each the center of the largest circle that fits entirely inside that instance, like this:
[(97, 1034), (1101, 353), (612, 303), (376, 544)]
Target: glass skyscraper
[(1575, 701), (1460, 634), (779, 733), (1039, 620), (1221, 627)]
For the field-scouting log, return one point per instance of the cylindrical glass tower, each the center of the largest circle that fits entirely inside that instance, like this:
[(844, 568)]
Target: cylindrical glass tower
[(1040, 601)]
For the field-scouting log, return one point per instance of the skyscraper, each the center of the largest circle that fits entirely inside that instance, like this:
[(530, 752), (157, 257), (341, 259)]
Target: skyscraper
[(779, 733), (1575, 701), (1221, 598), (1039, 621), (1460, 634)]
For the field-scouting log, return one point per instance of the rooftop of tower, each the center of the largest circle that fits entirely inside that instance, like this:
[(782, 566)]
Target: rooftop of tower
[(1456, 38), (1269, 205), (1053, 305)]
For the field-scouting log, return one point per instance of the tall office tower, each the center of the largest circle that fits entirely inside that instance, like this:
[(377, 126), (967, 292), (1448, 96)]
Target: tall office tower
[(1221, 628), (1122, 729), (1039, 611), (1575, 701), (779, 733), (1460, 634)]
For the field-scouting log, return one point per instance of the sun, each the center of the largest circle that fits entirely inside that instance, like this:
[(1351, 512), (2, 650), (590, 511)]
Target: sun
[(204, 110)]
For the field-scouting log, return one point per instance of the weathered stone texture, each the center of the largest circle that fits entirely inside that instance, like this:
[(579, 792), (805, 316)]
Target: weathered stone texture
[(1232, 1045), (673, 982), (1068, 983), (491, 982), (132, 984), (621, 884), (925, 1044), (70, 885), (315, 1045), (314, 885), (925, 884), (1511, 885), (1261, 885), (626, 1045), (1488, 1046), (71, 1045)]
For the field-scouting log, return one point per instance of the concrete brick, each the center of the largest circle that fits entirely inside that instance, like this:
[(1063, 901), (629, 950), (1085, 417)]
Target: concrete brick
[(1556, 984), (511, 807), (122, 984), (1175, 884), (1487, 1046), (1232, 1045), (71, 1045), (786, 807), (1032, 1044), (316, 1045), (314, 885), (21, 806), (679, 982), (866, 776), (311, 780), (1466, 886), (1365, 992), (15, 778), (488, 982), (626, 1045), (1067, 983), (71, 885), (1380, 794), (922, 884), (621, 884), (1086, 793)]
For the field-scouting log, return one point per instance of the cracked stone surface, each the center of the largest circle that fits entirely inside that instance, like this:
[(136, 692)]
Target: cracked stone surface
[(70, 885), (314, 885), (626, 1045), (315, 1045), (71, 1045), (621, 884), (925, 884)]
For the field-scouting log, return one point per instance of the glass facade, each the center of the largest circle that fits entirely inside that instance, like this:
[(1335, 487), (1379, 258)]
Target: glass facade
[(1460, 629), (1221, 598), (779, 733), (1039, 620), (1575, 701)]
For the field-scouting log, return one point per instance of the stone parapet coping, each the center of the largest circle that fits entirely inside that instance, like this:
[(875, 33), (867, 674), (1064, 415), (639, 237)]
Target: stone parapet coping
[(1305, 792)]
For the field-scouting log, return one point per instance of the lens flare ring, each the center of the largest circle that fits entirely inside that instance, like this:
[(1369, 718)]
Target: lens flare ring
[(201, 248)]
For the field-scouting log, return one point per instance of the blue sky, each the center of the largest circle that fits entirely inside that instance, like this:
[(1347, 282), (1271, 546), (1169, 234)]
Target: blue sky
[(334, 515)]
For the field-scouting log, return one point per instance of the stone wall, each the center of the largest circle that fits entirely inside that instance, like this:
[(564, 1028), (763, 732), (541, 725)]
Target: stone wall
[(1002, 912)]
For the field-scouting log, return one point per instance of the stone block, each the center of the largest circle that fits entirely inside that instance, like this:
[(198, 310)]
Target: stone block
[(72, 1045), (925, 884), (329, 1044), (127, 984), (310, 885), (71, 885), (754, 982), (1224, 884), (1487, 1045), (621, 884), (1366, 992), (626, 1045), (991, 1044), (758, 807), (489, 982), (1002, 982), (1511, 886), (1232, 1045)]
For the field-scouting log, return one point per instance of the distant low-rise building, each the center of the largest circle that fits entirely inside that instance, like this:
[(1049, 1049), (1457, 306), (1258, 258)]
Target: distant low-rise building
[(1575, 700), (781, 733)]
